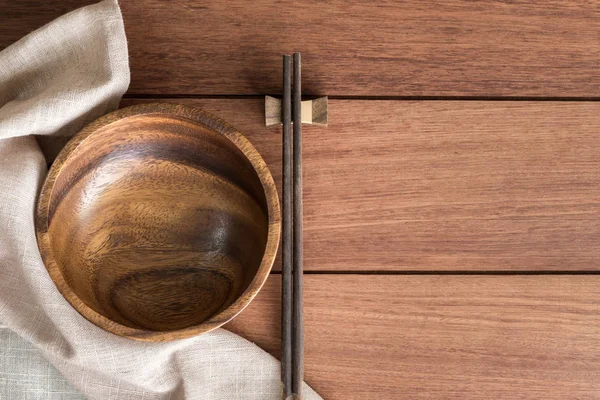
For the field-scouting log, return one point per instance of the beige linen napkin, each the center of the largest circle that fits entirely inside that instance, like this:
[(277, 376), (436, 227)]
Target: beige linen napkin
[(52, 82)]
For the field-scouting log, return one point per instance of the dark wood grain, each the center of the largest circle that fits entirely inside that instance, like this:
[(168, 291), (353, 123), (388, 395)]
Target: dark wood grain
[(351, 48), (21, 17), (442, 337), (158, 222), (466, 186)]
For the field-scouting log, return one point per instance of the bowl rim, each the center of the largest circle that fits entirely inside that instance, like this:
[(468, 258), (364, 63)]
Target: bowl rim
[(207, 121)]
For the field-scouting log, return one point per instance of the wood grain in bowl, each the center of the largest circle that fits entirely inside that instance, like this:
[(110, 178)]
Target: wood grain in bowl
[(158, 219)]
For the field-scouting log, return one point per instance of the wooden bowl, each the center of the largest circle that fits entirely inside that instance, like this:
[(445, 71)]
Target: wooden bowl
[(158, 222)]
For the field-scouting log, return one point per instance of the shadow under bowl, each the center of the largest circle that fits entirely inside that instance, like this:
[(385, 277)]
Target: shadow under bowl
[(158, 222)]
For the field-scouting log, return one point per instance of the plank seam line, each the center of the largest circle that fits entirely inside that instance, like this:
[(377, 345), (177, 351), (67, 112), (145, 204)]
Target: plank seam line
[(141, 96), (475, 273)]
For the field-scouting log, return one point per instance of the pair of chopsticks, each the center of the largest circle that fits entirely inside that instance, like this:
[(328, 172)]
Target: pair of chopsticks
[(292, 332)]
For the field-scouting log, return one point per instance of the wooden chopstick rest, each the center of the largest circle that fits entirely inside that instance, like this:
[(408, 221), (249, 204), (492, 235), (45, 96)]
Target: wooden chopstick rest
[(314, 112)]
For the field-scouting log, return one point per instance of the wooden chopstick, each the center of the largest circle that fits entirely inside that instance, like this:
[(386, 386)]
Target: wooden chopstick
[(292, 331), (298, 329), (287, 232)]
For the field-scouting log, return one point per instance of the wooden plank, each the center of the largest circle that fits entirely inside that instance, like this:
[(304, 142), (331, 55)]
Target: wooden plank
[(442, 337), (477, 186), (24, 16), (352, 47)]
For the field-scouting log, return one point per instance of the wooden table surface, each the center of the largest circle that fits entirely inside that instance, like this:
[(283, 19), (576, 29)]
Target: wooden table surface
[(452, 206)]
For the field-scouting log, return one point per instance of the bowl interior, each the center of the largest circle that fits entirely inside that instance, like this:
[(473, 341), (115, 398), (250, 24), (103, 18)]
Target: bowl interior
[(157, 223)]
